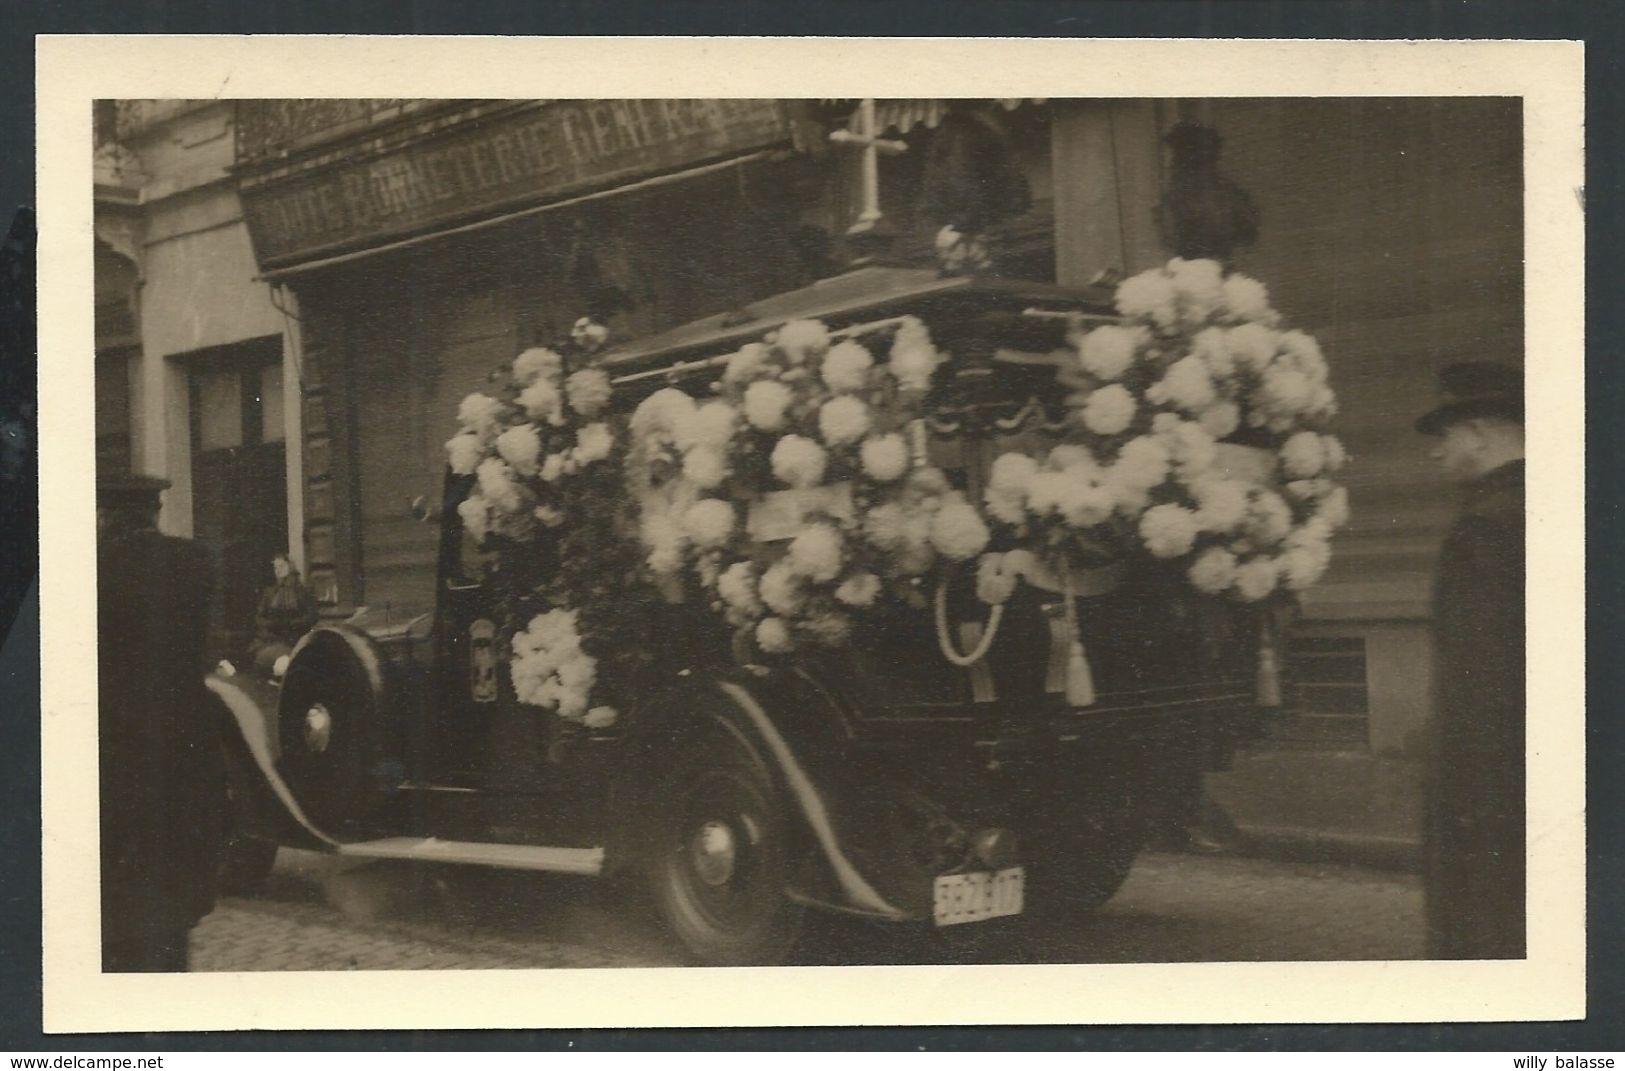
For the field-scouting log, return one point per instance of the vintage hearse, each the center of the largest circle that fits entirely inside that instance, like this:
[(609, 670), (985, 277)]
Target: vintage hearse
[(874, 780)]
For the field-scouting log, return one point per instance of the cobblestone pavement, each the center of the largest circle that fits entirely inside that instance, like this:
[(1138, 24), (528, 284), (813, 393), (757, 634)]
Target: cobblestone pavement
[(318, 915)]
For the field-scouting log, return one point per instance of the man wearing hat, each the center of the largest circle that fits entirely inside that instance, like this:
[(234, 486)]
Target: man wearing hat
[(1475, 817), (162, 771)]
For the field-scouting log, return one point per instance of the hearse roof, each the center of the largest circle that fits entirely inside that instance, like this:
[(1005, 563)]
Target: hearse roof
[(862, 294)]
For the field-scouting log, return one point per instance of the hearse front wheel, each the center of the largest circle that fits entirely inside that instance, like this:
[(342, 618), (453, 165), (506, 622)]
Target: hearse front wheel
[(719, 865)]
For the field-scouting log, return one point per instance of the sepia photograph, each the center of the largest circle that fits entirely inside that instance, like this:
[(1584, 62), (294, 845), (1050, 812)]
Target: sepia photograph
[(619, 531)]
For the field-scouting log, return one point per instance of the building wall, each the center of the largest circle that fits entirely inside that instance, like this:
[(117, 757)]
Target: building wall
[(1392, 231), (197, 288)]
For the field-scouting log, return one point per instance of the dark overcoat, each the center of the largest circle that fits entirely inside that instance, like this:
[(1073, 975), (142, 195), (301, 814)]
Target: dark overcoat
[(1475, 825), (162, 767)]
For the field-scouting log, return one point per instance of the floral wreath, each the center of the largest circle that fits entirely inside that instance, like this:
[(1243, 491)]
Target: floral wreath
[(799, 495)]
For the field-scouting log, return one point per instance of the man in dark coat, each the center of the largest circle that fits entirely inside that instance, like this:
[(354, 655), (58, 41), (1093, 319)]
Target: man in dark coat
[(162, 770), (1475, 837)]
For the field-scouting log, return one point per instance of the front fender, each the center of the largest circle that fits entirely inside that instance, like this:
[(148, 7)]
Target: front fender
[(797, 730), (249, 711)]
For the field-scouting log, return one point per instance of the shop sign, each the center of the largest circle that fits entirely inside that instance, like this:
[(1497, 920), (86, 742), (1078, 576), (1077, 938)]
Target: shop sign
[(466, 171)]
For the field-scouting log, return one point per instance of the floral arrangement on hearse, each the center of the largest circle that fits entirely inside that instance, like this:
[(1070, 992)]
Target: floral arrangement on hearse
[(798, 494)]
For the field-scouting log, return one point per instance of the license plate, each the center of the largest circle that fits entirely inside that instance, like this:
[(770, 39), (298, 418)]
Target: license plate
[(978, 896)]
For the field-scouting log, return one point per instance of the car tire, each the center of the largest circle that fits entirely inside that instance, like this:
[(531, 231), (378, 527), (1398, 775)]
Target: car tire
[(719, 857)]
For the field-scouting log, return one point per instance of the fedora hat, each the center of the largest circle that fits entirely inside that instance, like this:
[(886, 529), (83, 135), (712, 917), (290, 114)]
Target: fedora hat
[(1475, 389)]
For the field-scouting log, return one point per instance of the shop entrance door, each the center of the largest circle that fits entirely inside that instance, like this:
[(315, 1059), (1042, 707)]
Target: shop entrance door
[(239, 480)]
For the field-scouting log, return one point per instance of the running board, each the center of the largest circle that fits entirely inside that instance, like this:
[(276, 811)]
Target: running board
[(588, 861)]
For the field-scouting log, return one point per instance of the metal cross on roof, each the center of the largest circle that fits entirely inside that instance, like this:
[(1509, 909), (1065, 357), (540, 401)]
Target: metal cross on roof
[(868, 136)]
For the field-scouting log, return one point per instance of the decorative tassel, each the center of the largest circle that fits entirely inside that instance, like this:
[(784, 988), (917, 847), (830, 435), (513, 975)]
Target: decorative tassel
[(1080, 682), (1060, 644), (1269, 672)]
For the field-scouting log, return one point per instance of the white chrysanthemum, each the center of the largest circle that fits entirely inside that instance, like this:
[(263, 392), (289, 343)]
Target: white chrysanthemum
[(498, 487), (588, 391), (1269, 518), (1336, 456), (859, 589), (1200, 286), (1252, 345), (1213, 571), (1187, 384), (1148, 296), (843, 420), (1255, 579), (713, 424), (1006, 506), (1109, 410), (885, 526), (665, 541), (765, 403), (1142, 462), (994, 583), (1129, 499), (1334, 508), (1305, 559), (1193, 449), (1045, 491), (542, 401), (538, 362), (1304, 352), (1168, 530), (1221, 505), (885, 457), (1220, 419), (705, 467), (1303, 455), (1011, 472), (816, 553), (1209, 347), (601, 717), (1246, 298), (1286, 391), (846, 367), (918, 555), (913, 356), (745, 364), (480, 414), (1084, 500), (798, 461), (476, 515), (801, 339), (958, 531), (1106, 352), (660, 412), (781, 589), (737, 586), (464, 452), (709, 522), (593, 443), (553, 467), (773, 636), (520, 446)]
